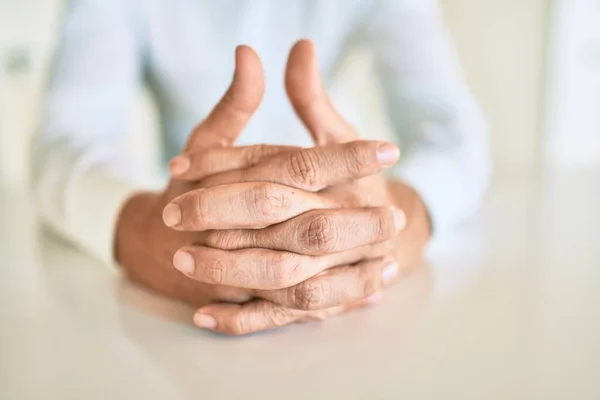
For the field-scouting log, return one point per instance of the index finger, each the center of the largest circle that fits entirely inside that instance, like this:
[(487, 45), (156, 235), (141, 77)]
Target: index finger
[(316, 168), (260, 315), (255, 316), (196, 165), (225, 122), (246, 205)]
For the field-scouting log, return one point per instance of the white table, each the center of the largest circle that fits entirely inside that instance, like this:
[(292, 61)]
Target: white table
[(509, 308)]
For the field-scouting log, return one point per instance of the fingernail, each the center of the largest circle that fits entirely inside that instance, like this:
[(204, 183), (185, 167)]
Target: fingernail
[(399, 219), (388, 154), (172, 214), (184, 262), (390, 272), (374, 298), (179, 165), (204, 320)]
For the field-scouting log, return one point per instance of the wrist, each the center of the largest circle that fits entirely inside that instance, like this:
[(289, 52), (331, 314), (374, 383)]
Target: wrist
[(132, 222)]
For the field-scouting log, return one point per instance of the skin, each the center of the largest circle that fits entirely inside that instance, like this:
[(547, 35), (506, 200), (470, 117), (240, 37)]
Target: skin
[(263, 236)]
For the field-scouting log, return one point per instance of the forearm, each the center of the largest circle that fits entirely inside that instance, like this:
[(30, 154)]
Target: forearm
[(77, 194), (80, 180), (445, 155)]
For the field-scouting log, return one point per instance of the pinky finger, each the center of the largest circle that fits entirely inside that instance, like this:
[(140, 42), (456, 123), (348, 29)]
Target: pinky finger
[(261, 315), (258, 315), (242, 319)]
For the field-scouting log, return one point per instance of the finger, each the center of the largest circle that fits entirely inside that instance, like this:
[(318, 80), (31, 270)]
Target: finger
[(247, 268), (367, 301), (225, 122), (198, 165), (255, 316), (309, 99), (264, 269), (236, 319), (337, 286), (319, 167), (240, 205), (317, 232)]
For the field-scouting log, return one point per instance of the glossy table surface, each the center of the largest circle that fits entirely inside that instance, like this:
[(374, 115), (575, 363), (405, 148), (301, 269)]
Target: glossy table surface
[(507, 308)]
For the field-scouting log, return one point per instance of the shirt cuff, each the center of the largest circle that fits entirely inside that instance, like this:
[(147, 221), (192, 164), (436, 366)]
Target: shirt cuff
[(94, 200)]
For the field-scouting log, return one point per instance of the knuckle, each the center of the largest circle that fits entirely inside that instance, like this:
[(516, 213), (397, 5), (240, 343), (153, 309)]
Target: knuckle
[(296, 271), (318, 234), (279, 315), (214, 272), (382, 223), (201, 214), (267, 200), (271, 271), (240, 324), (308, 295), (303, 168), (282, 270), (357, 160), (256, 153)]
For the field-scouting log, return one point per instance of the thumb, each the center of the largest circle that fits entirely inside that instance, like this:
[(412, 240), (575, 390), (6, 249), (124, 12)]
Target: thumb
[(231, 114), (309, 98)]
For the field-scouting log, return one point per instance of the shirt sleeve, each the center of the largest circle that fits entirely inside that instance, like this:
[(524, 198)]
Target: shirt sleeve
[(442, 133), (81, 177)]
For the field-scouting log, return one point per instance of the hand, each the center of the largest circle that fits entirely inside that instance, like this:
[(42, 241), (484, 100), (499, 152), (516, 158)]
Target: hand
[(144, 246), (284, 254), (314, 210)]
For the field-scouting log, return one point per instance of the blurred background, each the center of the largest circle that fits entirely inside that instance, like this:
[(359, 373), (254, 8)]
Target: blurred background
[(534, 66)]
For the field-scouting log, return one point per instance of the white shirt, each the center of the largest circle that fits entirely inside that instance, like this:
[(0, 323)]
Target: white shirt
[(184, 49)]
